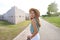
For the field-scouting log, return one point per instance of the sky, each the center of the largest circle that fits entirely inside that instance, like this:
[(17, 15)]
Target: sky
[(25, 5)]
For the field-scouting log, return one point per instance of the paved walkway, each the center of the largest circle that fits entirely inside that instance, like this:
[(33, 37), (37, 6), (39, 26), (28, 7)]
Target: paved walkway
[(47, 32), (23, 35)]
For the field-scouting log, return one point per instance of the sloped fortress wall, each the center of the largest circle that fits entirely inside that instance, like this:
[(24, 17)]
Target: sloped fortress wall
[(14, 15)]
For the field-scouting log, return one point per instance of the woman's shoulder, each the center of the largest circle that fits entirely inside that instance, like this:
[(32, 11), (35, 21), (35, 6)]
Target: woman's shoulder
[(33, 20)]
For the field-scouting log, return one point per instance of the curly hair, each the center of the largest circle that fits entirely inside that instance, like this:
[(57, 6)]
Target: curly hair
[(37, 13)]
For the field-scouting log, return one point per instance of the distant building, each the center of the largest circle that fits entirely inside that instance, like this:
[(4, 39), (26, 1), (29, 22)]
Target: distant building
[(14, 15), (1, 17), (27, 16)]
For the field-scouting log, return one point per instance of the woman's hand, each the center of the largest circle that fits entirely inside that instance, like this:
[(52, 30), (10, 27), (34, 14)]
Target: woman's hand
[(28, 36)]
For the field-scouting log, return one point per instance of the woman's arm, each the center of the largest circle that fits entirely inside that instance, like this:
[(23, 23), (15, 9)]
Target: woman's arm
[(34, 27)]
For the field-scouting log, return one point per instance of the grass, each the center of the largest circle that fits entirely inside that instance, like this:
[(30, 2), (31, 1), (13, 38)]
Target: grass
[(53, 20), (9, 31)]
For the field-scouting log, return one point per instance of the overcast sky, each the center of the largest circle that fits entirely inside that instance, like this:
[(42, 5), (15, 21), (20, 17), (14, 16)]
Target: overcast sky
[(25, 5)]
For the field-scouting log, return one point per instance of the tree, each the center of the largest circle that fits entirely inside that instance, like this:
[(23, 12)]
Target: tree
[(48, 13), (52, 7)]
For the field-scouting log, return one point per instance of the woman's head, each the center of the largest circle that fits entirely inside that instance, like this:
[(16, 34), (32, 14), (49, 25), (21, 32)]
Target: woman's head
[(34, 13)]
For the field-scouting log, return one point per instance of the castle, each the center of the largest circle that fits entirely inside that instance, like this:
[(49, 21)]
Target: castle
[(14, 15)]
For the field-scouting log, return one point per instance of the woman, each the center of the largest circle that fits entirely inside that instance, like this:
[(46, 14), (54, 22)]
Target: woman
[(35, 24)]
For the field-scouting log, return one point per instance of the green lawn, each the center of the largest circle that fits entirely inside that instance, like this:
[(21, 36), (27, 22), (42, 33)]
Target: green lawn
[(9, 31), (53, 20)]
